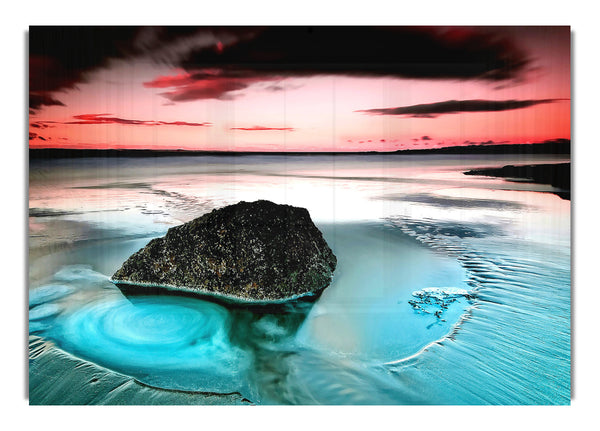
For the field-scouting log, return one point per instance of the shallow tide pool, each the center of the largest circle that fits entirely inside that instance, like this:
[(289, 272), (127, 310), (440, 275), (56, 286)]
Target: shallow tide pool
[(448, 290)]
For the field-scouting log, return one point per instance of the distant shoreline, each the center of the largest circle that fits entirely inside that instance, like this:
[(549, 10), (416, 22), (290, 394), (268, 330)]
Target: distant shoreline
[(558, 147), (557, 175)]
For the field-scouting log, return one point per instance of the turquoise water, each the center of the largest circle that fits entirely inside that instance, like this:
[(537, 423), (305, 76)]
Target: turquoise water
[(447, 291)]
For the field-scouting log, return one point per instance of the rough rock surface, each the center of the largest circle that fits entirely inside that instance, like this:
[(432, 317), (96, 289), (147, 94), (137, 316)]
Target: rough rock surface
[(255, 251)]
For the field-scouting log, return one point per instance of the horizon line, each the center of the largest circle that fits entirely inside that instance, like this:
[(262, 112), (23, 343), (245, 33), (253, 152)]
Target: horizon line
[(453, 148)]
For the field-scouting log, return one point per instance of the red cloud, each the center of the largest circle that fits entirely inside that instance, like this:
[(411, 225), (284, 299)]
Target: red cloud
[(257, 128), (104, 119), (214, 89), (204, 84), (170, 81)]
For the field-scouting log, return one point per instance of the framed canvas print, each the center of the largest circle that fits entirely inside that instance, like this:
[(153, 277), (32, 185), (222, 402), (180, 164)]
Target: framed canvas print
[(299, 215)]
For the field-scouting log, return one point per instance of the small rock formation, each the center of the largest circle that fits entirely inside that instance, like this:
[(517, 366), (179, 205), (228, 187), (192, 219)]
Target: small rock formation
[(556, 174), (251, 251)]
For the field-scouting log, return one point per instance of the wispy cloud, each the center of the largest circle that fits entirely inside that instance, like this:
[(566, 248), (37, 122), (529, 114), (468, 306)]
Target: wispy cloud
[(39, 125), (205, 84), (262, 128), (106, 119), (34, 136), (432, 110)]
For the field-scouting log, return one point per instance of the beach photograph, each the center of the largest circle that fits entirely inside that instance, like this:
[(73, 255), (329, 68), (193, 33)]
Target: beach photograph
[(299, 215)]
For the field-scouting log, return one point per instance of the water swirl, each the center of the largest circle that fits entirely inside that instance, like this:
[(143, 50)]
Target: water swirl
[(180, 343)]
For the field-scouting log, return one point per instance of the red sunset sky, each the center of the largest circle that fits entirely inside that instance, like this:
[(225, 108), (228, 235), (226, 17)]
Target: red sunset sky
[(297, 88)]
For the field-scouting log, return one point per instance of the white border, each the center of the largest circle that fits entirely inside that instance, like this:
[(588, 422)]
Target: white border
[(581, 15)]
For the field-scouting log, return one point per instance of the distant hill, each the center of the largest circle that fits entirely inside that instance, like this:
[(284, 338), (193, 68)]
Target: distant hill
[(558, 146)]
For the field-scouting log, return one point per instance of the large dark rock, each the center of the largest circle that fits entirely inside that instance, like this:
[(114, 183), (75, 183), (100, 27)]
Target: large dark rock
[(254, 251)]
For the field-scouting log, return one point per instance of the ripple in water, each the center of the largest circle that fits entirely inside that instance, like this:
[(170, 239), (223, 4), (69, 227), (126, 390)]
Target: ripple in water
[(47, 293), (180, 343)]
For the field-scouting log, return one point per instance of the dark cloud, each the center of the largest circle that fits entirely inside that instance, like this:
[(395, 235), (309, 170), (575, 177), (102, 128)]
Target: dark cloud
[(275, 87), (432, 110), (62, 57), (282, 87), (37, 100), (261, 128), (407, 52), (40, 125), (105, 119), (425, 138), (33, 136)]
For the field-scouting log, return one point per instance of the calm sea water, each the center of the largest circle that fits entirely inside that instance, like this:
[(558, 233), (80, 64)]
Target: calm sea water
[(450, 289)]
